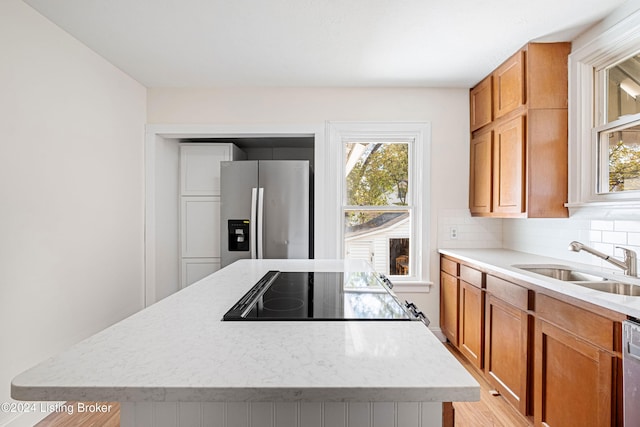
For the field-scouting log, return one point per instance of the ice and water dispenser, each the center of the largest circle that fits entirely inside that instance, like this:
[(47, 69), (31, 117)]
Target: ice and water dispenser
[(238, 235)]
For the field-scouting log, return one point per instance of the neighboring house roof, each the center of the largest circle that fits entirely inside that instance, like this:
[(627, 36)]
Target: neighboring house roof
[(380, 223)]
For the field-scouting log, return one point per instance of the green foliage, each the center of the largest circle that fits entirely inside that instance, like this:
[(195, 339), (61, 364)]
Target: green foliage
[(379, 178), (624, 165)]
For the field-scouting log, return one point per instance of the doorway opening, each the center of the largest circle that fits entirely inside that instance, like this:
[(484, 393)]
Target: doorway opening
[(162, 207)]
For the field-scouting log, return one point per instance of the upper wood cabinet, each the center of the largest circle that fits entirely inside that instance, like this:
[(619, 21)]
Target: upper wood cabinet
[(509, 90), (508, 167), (481, 173), (519, 136), (480, 103)]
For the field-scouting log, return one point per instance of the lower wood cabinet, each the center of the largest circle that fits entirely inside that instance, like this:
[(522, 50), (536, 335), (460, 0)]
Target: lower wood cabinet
[(449, 300), (573, 382), (577, 373), (507, 352), (471, 318), (557, 362), (508, 341)]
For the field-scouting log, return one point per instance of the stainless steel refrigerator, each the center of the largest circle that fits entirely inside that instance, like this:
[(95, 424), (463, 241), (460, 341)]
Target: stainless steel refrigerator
[(265, 210)]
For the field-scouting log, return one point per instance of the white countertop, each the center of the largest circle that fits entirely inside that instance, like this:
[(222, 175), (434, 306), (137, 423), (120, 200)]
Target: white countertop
[(179, 350), (502, 261)]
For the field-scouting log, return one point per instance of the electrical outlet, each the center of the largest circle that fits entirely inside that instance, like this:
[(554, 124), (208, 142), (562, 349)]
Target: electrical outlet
[(453, 233)]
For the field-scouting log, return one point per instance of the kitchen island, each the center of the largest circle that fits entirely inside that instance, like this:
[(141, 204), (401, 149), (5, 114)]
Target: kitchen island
[(176, 363)]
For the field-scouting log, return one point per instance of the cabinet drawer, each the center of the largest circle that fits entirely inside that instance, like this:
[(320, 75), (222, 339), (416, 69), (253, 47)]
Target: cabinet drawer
[(511, 293), (594, 328), (471, 276), (449, 266)]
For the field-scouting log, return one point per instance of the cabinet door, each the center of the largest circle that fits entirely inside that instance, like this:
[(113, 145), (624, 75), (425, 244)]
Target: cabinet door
[(480, 177), (194, 269), (480, 105), (508, 85), (574, 380), (471, 323), (449, 300), (507, 351), (508, 167), (200, 169), (200, 227)]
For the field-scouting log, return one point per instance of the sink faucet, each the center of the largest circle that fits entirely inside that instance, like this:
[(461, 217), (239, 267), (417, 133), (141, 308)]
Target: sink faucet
[(629, 265)]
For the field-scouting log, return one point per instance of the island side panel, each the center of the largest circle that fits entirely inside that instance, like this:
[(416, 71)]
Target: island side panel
[(281, 414)]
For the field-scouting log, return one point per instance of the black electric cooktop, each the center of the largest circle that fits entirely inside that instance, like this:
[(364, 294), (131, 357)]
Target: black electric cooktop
[(319, 296)]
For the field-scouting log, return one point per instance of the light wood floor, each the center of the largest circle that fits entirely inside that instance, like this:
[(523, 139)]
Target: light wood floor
[(490, 411), (86, 419)]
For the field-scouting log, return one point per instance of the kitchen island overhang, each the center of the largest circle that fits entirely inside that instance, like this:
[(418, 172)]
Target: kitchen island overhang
[(179, 350)]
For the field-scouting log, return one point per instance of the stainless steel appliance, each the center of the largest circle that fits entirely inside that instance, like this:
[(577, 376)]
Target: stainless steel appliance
[(265, 210), (322, 296), (631, 368)]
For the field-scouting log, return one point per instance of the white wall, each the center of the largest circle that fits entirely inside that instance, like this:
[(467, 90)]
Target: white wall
[(71, 191), (167, 207), (446, 109)]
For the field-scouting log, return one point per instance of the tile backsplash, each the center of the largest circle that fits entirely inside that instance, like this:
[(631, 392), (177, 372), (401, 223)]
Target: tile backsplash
[(549, 237), (606, 235), (471, 232)]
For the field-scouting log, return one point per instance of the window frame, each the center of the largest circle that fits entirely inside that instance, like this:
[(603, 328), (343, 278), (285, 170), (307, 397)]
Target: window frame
[(418, 135), (587, 85)]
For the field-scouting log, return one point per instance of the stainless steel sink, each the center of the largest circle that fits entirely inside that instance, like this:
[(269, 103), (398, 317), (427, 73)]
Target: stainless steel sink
[(612, 287), (584, 278), (560, 272)]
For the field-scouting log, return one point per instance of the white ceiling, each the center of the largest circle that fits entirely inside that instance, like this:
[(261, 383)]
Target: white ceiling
[(374, 43)]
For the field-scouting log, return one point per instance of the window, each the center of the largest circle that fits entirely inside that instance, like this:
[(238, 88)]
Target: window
[(618, 138), (604, 119), (378, 201), (382, 191)]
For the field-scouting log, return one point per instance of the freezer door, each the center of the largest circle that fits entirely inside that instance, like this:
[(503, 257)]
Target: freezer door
[(237, 181), (285, 185)]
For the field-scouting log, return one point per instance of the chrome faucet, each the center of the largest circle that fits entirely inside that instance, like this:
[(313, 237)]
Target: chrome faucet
[(629, 265)]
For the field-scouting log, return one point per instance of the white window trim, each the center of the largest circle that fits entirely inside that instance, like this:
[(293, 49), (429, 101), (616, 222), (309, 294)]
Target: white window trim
[(420, 133), (620, 40)]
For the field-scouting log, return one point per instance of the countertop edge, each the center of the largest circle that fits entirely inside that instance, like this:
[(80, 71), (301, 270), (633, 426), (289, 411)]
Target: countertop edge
[(469, 393)]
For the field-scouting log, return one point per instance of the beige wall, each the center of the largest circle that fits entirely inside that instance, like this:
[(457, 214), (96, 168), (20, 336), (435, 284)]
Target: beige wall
[(308, 105), (446, 110), (71, 192)]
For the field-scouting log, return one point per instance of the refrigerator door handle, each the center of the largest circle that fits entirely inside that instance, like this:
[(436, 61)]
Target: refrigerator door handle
[(260, 222), (253, 222)]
